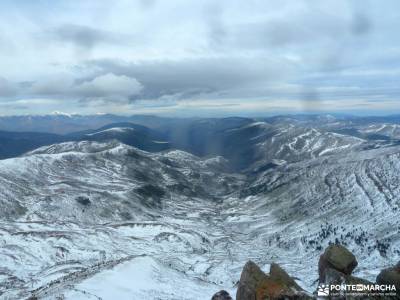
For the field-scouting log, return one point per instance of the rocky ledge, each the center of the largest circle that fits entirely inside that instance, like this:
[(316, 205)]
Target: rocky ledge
[(335, 267)]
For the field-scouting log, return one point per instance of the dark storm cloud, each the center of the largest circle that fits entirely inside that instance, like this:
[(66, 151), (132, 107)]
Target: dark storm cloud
[(196, 77)]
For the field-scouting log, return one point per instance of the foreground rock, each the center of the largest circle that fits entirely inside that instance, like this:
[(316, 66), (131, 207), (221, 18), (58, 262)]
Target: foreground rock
[(221, 295), (338, 258), (335, 269), (250, 280), (390, 276), (254, 284)]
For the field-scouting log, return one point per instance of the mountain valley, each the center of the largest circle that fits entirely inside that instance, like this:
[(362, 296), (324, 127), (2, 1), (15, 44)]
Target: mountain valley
[(189, 202)]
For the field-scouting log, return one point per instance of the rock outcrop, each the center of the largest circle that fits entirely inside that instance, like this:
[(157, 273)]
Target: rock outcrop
[(254, 284), (250, 280), (335, 268)]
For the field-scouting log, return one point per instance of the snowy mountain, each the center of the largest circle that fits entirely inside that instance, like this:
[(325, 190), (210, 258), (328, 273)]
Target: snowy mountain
[(350, 198), (390, 131), (290, 143), (128, 133), (13, 144), (62, 123), (80, 204), (96, 218)]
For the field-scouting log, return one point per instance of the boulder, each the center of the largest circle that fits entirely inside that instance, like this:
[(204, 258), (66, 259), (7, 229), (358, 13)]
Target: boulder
[(390, 276), (221, 295), (338, 258), (254, 284)]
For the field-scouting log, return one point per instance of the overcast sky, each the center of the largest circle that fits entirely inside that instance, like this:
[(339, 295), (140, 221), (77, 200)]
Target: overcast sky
[(181, 57)]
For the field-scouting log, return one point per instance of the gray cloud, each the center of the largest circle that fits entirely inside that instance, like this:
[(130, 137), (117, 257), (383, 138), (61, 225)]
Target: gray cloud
[(109, 85), (7, 89), (311, 23), (361, 24), (83, 36), (191, 78), (105, 88)]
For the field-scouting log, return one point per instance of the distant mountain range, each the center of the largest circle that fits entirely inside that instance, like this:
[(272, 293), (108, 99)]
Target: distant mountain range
[(64, 123), (243, 141), (13, 144), (60, 123)]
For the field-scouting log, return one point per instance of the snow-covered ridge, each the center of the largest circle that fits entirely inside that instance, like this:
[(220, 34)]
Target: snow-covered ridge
[(112, 130), (83, 146), (64, 114)]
